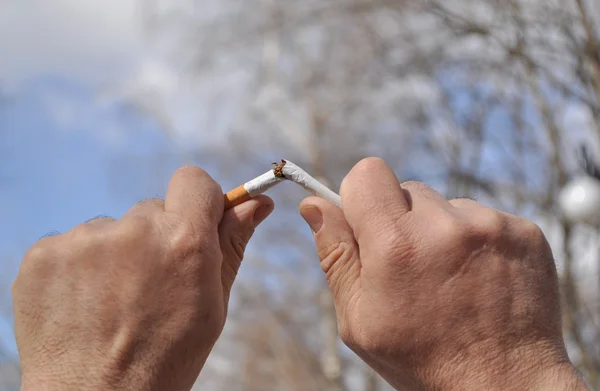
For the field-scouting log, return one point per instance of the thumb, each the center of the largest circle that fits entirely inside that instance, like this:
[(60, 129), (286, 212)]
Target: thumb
[(337, 250), (235, 230)]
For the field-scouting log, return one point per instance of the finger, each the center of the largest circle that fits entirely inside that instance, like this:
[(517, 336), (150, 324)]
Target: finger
[(471, 209), (337, 250), (373, 201), (485, 219), (464, 203), (147, 207), (195, 197), (427, 206), (423, 197), (236, 229)]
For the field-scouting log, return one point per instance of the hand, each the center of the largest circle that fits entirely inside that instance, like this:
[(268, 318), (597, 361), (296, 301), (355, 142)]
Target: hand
[(440, 295), (135, 303)]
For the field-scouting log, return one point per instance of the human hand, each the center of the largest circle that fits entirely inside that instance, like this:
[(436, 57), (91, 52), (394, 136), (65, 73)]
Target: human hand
[(440, 295), (135, 303)]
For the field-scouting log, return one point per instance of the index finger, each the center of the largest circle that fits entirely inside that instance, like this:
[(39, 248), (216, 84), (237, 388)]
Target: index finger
[(193, 195), (373, 201)]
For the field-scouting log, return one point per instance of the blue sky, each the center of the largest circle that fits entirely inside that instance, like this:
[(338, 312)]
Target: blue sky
[(55, 173), (58, 145), (69, 149), (66, 158)]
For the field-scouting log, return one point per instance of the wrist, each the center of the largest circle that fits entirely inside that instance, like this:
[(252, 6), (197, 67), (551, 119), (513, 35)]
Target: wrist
[(61, 378), (563, 377), (522, 376), (538, 368), (116, 375), (42, 385)]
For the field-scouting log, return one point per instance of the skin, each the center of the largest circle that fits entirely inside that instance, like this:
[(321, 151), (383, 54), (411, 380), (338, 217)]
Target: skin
[(440, 295), (135, 303), (434, 295)]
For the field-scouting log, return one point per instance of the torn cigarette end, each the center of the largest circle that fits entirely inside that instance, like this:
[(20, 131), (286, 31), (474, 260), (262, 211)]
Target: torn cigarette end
[(278, 169)]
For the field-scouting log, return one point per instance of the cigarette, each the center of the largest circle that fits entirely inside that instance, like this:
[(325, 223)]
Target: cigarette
[(285, 170)]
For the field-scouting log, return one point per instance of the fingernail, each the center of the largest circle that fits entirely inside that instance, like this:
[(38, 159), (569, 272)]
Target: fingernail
[(314, 218), (262, 213)]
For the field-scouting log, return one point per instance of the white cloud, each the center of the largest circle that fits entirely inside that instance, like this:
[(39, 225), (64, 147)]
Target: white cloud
[(97, 44), (150, 90), (91, 40)]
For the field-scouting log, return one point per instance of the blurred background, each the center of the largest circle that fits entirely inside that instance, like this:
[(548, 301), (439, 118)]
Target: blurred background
[(100, 101)]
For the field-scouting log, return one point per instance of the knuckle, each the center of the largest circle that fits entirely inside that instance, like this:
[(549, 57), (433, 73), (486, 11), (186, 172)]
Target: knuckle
[(39, 261), (152, 203), (81, 231), (370, 164), (40, 251), (132, 228), (487, 228), (185, 239), (421, 189), (493, 223), (533, 235), (530, 229), (414, 185), (84, 237), (450, 230)]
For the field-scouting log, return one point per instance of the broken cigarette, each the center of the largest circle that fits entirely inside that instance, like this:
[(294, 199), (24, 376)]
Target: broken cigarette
[(285, 170)]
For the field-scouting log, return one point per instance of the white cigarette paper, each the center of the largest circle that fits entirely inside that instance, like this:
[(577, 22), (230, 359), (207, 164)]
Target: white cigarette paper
[(295, 174), (262, 183), (284, 171)]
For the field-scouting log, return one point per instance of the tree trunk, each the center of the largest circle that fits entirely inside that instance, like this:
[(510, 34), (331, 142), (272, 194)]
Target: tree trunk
[(330, 359)]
